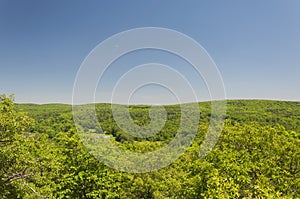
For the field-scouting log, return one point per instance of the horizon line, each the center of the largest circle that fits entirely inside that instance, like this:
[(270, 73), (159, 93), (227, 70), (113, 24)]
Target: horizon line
[(158, 104)]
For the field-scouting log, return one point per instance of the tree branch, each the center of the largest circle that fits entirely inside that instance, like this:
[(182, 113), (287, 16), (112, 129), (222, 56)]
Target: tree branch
[(33, 190), (17, 176)]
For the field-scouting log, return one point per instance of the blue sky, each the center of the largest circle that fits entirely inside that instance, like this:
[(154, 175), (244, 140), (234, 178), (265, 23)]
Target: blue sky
[(255, 44)]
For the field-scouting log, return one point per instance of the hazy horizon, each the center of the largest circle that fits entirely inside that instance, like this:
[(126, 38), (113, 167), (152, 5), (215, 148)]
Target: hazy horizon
[(231, 99)]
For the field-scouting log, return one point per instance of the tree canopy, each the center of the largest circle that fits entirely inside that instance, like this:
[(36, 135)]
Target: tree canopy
[(257, 154)]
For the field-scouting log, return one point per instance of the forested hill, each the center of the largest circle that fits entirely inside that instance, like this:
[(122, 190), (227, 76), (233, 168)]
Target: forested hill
[(257, 154), (269, 112)]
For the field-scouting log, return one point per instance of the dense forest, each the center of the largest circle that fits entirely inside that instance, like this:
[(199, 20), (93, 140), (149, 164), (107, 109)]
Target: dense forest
[(257, 154)]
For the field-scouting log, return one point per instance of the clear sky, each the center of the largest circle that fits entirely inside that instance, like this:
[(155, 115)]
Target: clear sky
[(255, 44)]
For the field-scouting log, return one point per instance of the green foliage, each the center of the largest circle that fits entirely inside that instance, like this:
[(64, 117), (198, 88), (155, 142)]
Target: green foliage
[(28, 160), (257, 154)]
